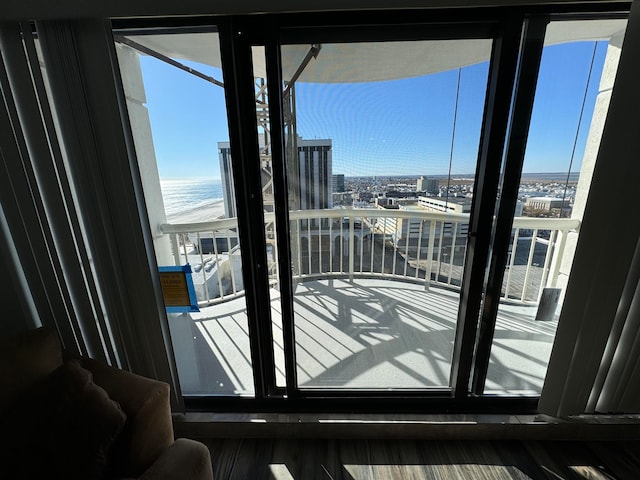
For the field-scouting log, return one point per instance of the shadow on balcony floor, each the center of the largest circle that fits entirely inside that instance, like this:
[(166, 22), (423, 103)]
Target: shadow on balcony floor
[(365, 334)]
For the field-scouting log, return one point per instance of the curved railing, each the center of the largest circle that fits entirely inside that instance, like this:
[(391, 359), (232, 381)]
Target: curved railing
[(410, 245)]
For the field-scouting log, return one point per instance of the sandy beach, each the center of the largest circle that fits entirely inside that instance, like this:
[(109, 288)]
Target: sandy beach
[(203, 213)]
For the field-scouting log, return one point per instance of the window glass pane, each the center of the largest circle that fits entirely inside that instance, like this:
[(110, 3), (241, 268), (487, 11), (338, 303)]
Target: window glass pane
[(382, 142), (180, 128), (577, 71)]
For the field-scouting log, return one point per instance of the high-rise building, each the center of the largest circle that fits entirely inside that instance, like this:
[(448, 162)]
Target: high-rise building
[(428, 185), (226, 177), (314, 185), (338, 182), (315, 179)]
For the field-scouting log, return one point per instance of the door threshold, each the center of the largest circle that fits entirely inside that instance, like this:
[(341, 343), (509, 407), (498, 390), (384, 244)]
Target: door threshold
[(428, 427)]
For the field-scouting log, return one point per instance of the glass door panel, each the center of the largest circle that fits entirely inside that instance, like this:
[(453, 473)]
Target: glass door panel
[(177, 111), (381, 149), (577, 71)]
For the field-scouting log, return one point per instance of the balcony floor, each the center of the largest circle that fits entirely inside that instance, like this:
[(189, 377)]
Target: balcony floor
[(369, 333)]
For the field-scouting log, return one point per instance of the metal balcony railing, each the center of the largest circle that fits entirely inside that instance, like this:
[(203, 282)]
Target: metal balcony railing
[(412, 245)]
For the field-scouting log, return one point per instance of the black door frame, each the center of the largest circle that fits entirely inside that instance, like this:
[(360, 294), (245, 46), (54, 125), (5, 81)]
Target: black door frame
[(518, 36), (506, 56)]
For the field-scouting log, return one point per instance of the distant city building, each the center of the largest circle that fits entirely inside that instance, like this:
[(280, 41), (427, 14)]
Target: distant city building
[(405, 201), (315, 182), (337, 180), (342, 198), (413, 233), (363, 196), (450, 205), (545, 203), (401, 194), (400, 187), (428, 185), (384, 202), (394, 202)]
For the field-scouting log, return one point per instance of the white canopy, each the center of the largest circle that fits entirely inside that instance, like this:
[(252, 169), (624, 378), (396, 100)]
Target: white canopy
[(371, 61)]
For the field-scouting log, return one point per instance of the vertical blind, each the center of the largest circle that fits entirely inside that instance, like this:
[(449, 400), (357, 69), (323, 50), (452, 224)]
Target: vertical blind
[(594, 363), (71, 197)]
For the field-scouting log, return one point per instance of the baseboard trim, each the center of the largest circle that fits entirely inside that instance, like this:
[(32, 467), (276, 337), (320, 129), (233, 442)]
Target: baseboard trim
[(427, 427)]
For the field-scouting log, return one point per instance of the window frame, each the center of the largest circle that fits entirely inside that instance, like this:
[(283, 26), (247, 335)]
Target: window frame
[(516, 56)]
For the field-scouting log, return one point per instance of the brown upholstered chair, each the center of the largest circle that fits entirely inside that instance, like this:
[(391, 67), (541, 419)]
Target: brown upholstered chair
[(140, 441)]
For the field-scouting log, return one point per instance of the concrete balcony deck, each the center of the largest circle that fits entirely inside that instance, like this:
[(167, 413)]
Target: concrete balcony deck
[(368, 333)]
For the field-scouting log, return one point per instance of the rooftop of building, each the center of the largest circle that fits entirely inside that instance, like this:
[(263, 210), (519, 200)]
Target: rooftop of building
[(546, 199), (445, 200)]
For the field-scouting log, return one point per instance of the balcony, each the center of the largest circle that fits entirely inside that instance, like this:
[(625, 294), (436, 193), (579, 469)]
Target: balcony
[(376, 301)]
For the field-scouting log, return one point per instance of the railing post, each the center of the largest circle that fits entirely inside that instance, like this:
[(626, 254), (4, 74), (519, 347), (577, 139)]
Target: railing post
[(395, 245), (419, 247), (432, 239), (557, 258), (217, 262), (175, 248), (454, 240), (203, 270), (362, 222), (514, 247), (351, 246), (299, 244), (532, 249), (373, 225), (547, 262), (341, 269), (320, 246), (331, 246), (309, 243)]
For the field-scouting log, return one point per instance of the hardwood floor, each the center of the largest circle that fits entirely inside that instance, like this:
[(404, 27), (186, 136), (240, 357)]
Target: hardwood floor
[(287, 459)]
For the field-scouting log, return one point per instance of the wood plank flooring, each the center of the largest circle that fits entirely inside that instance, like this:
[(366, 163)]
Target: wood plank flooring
[(295, 459)]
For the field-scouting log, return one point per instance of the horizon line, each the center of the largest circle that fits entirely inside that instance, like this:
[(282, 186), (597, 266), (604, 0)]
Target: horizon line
[(471, 175)]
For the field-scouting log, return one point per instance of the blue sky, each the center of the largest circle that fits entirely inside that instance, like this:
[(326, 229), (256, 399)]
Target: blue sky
[(401, 127)]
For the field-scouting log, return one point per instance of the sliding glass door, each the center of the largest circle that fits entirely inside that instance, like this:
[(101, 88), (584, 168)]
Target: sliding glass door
[(578, 63), (359, 199), (176, 103), (381, 145)]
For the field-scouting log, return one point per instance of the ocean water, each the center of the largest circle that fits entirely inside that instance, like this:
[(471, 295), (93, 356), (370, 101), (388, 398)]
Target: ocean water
[(182, 195)]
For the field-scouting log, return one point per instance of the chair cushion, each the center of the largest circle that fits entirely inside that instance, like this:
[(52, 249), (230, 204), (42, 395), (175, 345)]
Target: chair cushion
[(26, 359), (62, 427), (149, 429)]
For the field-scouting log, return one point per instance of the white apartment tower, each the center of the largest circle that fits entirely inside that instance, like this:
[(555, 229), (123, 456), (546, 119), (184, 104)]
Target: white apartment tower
[(428, 185)]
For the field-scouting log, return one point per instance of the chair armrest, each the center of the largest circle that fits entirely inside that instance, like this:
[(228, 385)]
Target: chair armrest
[(184, 460), (149, 430)]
